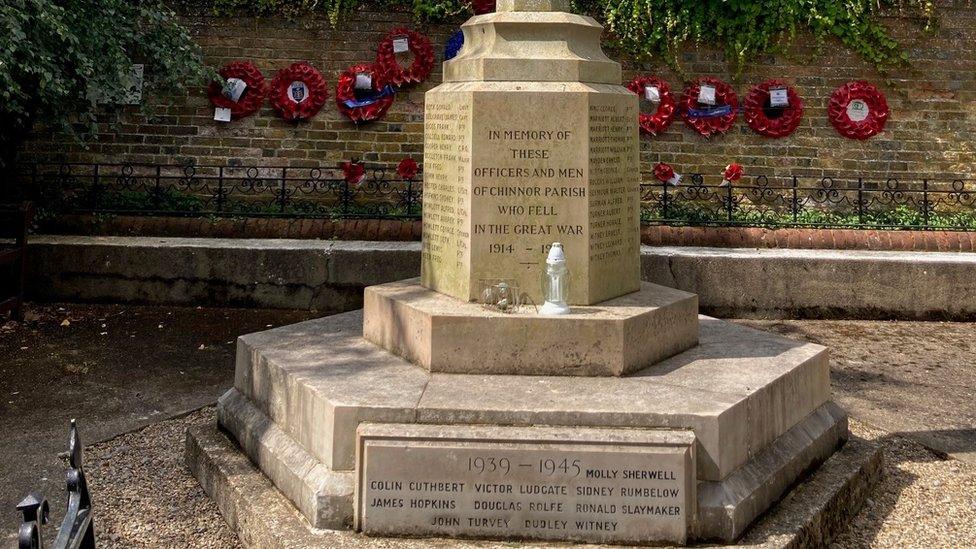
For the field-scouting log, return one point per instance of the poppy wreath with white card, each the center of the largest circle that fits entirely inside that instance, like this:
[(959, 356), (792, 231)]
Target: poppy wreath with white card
[(858, 110), (299, 92), (400, 41), (243, 91), (362, 94), (709, 106), (654, 89), (773, 109)]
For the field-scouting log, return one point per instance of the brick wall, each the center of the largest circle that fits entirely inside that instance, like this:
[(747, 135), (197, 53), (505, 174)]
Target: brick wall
[(930, 131)]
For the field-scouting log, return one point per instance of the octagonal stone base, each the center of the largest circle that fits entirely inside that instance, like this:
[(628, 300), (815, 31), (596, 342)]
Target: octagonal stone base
[(757, 404), (614, 338)]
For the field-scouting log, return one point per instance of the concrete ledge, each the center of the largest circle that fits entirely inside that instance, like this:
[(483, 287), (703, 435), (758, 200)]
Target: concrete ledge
[(331, 275), (777, 283), (809, 516), (288, 274)]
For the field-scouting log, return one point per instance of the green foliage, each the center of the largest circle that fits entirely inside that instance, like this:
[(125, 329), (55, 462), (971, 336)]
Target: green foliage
[(746, 28), (423, 10), (61, 59), (659, 29), (901, 216)]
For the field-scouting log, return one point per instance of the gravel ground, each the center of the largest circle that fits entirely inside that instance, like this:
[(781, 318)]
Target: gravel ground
[(922, 501), (145, 496)]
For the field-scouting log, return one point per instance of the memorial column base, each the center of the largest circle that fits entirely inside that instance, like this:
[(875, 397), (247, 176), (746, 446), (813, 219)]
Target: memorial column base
[(729, 425)]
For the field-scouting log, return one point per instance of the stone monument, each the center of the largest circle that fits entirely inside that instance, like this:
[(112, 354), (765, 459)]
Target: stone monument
[(629, 420)]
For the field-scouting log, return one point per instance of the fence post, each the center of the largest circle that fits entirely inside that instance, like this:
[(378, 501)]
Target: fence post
[(794, 205), (664, 201), (729, 200), (96, 188), (345, 197), (860, 201), (35, 188), (925, 201), (283, 197), (157, 190), (409, 197), (220, 189)]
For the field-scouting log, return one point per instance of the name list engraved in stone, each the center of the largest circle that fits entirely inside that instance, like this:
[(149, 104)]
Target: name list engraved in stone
[(545, 490), (447, 156)]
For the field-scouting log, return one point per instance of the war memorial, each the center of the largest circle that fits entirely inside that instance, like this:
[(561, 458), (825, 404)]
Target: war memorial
[(520, 389)]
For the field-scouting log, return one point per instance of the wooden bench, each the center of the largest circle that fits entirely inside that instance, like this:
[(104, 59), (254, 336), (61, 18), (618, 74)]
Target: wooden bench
[(15, 223)]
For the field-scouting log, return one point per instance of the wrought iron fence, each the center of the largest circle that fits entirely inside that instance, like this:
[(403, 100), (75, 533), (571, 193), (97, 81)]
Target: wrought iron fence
[(229, 191), (825, 202), (77, 529), (223, 191)]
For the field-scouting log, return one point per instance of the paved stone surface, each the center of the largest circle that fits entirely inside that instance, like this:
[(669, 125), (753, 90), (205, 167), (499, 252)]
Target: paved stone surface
[(913, 378)]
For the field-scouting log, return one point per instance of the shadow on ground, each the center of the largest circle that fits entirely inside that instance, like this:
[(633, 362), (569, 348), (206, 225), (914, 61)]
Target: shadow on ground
[(115, 369)]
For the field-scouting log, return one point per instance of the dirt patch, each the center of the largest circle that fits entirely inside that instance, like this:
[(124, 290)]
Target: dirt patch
[(916, 378)]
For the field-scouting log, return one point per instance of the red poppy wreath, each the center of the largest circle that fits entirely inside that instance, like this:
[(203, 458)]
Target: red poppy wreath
[(298, 92), (362, 95), (653, 88), (709, 106), (244, 90), (401, 40), (773, 109), (858, 110)]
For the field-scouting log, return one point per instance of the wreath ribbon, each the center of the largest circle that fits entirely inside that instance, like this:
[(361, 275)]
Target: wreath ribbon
[(371, 99), (711, 112)]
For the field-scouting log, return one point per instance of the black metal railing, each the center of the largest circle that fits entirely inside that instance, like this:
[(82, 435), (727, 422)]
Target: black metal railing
[(222, 191), (77, 529), (825, 202), (230, 191)]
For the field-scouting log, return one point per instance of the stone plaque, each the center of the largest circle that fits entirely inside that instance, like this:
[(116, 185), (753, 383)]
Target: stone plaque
[(557, 484)]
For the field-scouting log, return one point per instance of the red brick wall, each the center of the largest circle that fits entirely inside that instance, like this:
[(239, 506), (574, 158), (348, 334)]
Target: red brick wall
[(930, 131)]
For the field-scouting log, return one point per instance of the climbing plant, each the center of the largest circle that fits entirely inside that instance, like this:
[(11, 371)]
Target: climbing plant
[(659, 29), (424, 10), (747, 28)]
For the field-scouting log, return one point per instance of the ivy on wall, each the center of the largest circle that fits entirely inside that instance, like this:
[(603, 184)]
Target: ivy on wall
[(659, 29), (747, 28), (423, 10)]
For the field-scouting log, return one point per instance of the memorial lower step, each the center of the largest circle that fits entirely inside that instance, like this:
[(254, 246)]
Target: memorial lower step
[(755, 406)]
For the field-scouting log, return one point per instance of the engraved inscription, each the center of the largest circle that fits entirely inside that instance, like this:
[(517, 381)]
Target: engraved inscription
[(447, 156), (548, 491)]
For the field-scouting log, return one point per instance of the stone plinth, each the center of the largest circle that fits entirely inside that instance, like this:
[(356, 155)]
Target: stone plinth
[(531, 140), (613, 338), (757, 403)]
